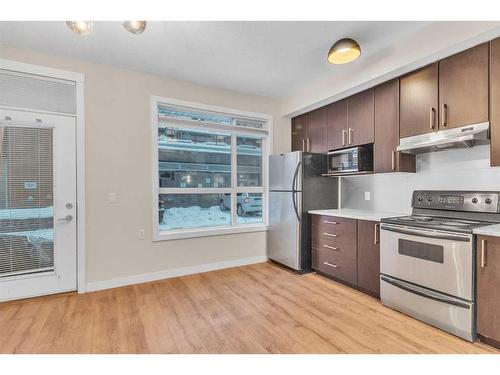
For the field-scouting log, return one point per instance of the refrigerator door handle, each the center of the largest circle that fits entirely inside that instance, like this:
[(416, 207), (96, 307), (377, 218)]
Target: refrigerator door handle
[(295, 175), (295, 205), (294, 191)]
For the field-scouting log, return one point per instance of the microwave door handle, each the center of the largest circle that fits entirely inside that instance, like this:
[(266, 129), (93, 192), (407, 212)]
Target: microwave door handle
[(441, 236), (424, 292)]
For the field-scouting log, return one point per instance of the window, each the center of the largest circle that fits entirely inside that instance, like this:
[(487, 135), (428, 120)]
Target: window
[(210, 169)]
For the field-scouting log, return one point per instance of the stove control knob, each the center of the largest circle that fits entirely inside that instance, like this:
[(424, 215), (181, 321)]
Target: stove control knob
[(420, 199), (474, 200), (429, 199), (488, 201)]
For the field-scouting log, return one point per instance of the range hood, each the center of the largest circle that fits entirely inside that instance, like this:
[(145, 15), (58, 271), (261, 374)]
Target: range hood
[(463, 137)]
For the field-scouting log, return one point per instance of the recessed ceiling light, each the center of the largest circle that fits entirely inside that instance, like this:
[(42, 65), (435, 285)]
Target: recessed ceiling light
[(80, 27), (135, 27), (344, 51)]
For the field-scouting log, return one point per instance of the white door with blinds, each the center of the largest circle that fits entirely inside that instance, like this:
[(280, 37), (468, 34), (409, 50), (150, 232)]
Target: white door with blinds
[(37, 204)]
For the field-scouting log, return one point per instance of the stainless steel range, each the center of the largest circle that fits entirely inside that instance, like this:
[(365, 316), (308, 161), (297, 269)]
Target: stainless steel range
[(427, 259)]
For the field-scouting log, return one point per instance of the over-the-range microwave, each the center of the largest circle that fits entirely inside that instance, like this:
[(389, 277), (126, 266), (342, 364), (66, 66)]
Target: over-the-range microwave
[(354, 160)]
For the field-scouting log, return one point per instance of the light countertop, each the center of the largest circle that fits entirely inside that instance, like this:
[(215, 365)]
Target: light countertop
[(490, 230), (356, 214)]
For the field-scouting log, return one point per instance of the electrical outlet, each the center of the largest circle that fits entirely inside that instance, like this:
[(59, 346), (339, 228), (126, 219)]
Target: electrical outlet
[(367, 196), (112, 197), (142, 234)]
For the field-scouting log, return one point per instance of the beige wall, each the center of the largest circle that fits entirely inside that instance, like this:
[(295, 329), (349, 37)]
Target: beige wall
[(118, 159)]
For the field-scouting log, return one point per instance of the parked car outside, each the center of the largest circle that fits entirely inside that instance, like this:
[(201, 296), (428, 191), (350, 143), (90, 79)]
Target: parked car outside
[(246, 203)]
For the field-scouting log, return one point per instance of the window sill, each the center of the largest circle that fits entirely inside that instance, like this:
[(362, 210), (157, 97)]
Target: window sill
[(204, 232)]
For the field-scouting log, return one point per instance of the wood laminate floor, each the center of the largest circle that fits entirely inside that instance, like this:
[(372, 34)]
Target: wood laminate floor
[(259, 308)]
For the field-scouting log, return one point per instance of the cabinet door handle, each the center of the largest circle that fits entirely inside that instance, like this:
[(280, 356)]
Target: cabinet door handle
[(349, 137), (330, 222), (329, 234), (483, 253), (330, 247), (308, 143), (432, 117), (344, 133), (303, 145), (444, 115), (330, 264), (375, 234), (393, 160)]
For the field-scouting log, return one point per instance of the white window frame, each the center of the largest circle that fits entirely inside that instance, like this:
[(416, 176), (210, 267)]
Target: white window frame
[(234, 227)]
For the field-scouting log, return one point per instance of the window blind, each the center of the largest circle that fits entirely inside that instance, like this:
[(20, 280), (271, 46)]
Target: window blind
[(26, 200), (22, 90)]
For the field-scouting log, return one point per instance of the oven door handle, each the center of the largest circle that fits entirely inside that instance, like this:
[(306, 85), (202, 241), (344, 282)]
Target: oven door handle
[(441, 236), (422, 292)]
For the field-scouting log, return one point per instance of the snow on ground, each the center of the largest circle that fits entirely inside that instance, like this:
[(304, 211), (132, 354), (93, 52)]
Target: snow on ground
[(26, 213), (195, 217), (32, 236)]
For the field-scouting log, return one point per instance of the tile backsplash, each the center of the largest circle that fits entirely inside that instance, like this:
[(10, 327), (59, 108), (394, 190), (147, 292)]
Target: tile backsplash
[(460, 169)]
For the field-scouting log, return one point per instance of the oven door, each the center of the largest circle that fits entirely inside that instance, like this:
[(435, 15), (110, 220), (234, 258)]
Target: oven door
[(441, 261)]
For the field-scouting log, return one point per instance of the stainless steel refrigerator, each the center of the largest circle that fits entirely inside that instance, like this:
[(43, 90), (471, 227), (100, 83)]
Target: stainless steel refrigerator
[(295, 187)]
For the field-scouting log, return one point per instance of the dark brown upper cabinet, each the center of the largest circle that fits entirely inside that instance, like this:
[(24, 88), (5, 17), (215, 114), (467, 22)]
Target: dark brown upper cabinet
[(495, 102), (488, 284), (360, 118), (463, 88), (299, 133), (419, 101), (385, 156), (316, 130), (337, 125)]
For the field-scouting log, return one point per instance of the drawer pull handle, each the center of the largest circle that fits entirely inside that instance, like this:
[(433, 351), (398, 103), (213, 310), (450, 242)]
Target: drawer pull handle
[(330, 222), (330, 247), (330, 264), (329, 234), (483, 253)]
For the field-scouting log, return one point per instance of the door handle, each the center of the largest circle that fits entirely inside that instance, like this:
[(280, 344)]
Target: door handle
[(483, 253), (393, 160), (330, 264), (344, 133), (308, 145), (67, 218), (375, 234), (329, 234), (330, 247), (303, 145), (349, 136), (444, 115), (432, 117)]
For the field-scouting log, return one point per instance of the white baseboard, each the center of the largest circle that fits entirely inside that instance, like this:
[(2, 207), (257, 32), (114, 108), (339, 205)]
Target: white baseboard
[(153, 276)]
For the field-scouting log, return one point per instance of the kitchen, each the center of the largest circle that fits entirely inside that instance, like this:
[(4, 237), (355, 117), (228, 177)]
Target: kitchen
[(265, 187), (411, 214)]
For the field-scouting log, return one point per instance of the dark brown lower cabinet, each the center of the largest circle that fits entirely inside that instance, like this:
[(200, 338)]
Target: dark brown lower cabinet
[(347, 250), (488, 289), (369, 256)]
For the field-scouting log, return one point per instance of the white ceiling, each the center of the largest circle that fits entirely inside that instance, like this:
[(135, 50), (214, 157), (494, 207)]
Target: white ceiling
[(264, 58), (283, 60)]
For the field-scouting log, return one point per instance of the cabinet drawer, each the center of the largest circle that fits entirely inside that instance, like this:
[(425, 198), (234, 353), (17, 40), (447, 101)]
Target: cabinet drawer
[(332, 224), (339, 264), (341, 240)]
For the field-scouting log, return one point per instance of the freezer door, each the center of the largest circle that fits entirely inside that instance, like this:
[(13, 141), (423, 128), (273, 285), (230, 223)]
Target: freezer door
[(283, 236), (285, 171)]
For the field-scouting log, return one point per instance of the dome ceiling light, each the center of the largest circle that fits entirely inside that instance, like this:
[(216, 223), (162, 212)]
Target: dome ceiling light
[(344, 51), (135, 27), (85, 27), (80, 27)]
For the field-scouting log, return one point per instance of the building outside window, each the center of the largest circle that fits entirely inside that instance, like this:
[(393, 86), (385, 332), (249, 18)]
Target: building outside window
[(210, 169)]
